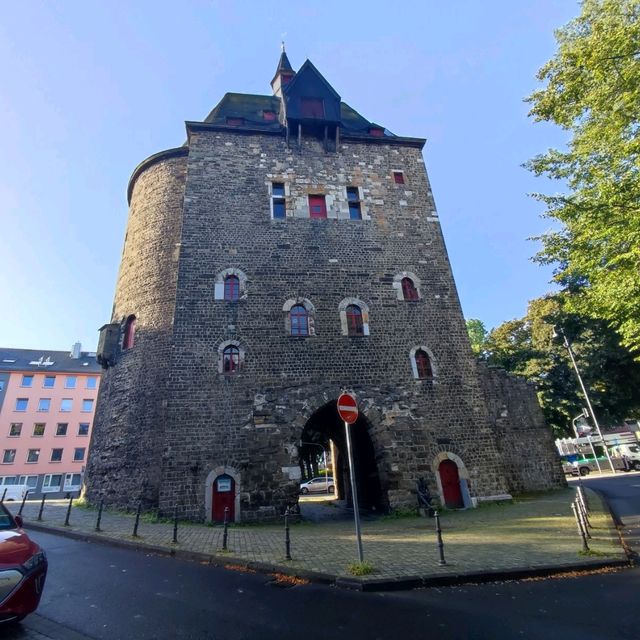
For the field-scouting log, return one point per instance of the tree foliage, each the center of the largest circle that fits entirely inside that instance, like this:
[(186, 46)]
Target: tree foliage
[(477, 335), (528, 347), (592, 90)]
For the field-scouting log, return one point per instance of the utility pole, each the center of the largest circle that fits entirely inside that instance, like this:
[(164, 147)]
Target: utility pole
[(586, 396)]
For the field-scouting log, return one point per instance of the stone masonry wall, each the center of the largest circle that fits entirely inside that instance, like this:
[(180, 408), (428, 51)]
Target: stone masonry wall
[(250, 422), (524, 440), (128, 434)]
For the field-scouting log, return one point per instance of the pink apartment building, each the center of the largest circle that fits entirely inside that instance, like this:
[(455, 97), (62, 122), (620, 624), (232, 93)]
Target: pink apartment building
[(47, 402)]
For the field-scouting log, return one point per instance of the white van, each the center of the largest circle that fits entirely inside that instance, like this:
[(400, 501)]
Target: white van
[(629, 451), (13, 491)]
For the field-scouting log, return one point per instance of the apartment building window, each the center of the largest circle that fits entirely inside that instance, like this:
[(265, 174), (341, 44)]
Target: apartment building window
[(27, 381), (317, 207), (21, 404), (15, 429), (44, 404), (66, 405), (49, 382), (278, 202), (9, 456), (78, 454), (72, 482), (51, 482), (38, 429), (355, 209), (87, 405), (61, 429), (83, 429), (33, 455), (56, 455), (70, 382), (92, 382)]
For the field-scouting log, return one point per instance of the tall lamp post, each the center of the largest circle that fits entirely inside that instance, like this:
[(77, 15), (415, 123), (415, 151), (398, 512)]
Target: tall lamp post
[(560, 331)]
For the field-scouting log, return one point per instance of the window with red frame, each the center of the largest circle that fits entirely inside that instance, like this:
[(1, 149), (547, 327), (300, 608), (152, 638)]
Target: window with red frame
[(312, 107), (129, 333), (231, 288), (398, 177), (317, 207), (355, 325), (235, 122), (423, 365), (269, 116), (299, 321), (409, 291), (376, 132), (231, 359)]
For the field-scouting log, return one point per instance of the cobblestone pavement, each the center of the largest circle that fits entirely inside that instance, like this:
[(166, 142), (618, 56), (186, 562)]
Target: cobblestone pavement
[(536, 531)]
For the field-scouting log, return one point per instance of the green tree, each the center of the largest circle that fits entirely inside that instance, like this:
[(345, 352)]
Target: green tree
[(592, 90), (528, 347), (477, 335)]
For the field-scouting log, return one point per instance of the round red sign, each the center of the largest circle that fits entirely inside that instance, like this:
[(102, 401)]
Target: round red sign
[(348, 408)]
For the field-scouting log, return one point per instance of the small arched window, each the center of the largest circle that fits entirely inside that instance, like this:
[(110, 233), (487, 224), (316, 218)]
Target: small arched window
[(232, 288), (409, 291), (423, 365), (355, 326), (299, 320), (231, 359), (129, 333)]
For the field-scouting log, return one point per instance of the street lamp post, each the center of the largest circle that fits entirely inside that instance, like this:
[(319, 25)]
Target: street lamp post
[(575, 430), (586, 396)]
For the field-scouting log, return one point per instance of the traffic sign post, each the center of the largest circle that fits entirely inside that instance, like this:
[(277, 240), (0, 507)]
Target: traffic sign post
[(348, 411)]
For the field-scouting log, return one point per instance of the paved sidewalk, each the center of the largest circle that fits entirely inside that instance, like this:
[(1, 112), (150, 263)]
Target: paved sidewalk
[(533, 533)]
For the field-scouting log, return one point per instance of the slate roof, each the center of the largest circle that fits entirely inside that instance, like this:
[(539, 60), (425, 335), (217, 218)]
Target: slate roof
[(283, 65), (62, 362)]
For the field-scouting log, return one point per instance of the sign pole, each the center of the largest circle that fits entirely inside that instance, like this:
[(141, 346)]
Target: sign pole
[(354, 492)]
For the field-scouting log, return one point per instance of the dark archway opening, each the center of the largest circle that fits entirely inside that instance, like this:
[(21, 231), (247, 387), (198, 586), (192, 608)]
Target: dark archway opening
[(325, 425)]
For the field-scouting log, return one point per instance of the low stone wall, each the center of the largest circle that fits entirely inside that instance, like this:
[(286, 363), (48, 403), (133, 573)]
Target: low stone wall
[(524, 441)]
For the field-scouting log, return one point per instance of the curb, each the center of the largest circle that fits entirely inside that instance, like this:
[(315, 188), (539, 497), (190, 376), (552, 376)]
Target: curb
[(344, 582)]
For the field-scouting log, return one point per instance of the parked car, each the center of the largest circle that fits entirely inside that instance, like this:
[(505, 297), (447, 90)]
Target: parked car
[(23, 569), (318, 485)]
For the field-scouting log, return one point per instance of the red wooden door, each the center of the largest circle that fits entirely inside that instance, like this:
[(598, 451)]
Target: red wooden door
[(317, 207), (450, 480), (224, 494)]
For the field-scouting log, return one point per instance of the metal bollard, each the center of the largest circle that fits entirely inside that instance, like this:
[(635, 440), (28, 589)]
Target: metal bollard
[(66, 520), (135, 526), (175, 525), (441, 561), (4, 493), (225, 535), (584, 516), (44, 497), (585, 546), (583, 519), (24, 499), (99, 516), (583, 499), (287, 537)]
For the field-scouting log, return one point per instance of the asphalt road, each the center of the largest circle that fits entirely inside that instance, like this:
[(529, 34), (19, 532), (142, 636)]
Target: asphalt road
[(622, 492), (96, 591)]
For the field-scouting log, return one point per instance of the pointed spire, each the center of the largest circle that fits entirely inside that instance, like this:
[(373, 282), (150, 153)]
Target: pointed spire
[(284, 72)]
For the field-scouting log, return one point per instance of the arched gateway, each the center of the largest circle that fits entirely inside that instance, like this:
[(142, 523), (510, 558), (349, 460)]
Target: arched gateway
[(325, 425)]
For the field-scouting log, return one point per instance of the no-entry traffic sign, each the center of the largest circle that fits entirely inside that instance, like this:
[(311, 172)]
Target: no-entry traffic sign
[(348, 408)]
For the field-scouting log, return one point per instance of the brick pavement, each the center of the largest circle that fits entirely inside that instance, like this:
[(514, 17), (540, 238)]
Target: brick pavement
[(530, 533)]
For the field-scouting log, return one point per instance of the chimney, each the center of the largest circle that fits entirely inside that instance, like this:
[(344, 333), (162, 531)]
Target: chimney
[(76, 350)]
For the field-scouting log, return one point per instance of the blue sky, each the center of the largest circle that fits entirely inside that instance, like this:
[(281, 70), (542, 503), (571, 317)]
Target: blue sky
[(89, 89)]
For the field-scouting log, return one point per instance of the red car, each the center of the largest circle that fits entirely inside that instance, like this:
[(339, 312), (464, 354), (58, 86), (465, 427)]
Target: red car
[(23, 569)]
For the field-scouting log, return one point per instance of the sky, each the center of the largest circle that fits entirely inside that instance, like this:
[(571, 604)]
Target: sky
[(90, 88)]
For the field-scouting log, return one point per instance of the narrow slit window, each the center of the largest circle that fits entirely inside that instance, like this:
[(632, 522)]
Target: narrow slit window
[(423, 365), (129, 333), (355, 206), (279, 205)]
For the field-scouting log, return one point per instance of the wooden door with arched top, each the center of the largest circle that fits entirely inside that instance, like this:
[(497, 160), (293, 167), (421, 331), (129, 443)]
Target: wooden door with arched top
[(224, 495), (450, 480)]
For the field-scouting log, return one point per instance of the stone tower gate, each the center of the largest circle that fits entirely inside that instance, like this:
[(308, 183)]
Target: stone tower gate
[(290, 250)]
